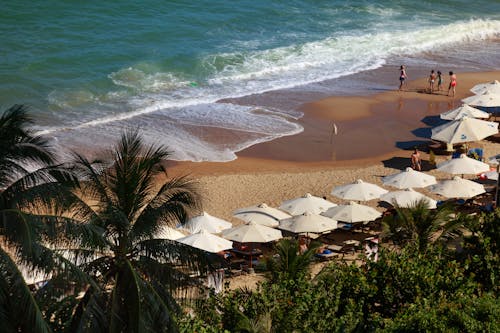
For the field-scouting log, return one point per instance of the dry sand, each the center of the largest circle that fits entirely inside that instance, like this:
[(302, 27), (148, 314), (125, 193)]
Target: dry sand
[(373, 133)]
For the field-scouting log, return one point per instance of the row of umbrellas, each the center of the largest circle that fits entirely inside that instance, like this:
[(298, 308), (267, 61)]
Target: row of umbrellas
[(312, 214)]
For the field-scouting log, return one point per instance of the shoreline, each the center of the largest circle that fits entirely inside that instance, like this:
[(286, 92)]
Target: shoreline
[(256, 177), (369, 129)]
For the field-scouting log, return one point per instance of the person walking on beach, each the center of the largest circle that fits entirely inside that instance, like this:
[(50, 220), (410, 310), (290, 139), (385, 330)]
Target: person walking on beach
[(402, 77), (440, 80), (453, 84), (432, 79), (416, 163)]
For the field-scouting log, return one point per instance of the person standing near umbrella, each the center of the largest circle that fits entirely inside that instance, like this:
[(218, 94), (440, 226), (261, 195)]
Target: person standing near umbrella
[(416, 163), (453, 83)]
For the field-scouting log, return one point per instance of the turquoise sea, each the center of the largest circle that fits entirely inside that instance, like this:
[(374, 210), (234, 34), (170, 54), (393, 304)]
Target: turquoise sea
[(210, 78)]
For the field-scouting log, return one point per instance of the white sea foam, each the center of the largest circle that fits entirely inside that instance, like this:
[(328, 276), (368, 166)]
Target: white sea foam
[(240, 74)]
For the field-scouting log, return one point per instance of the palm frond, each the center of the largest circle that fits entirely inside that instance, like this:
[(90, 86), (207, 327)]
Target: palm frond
[(17, 300), (173, 204)]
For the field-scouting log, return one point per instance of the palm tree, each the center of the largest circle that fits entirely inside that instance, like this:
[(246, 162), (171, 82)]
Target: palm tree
[(131, 199), (290, 264), (421, 226), (20, 232)]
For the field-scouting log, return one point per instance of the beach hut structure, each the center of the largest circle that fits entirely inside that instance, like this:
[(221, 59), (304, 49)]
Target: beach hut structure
[(486, 99), (407, 198), (258, 218), (457, 188), (352, 213), (359, 191), (490, 87), (409, 178), (206, 222), (463, 165), (206, 241), (465, 129), (308, 223), (306, 203), (464, 111)]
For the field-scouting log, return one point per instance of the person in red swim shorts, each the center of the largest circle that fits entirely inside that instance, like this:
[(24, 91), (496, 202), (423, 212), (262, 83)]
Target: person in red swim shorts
[(453, 84)]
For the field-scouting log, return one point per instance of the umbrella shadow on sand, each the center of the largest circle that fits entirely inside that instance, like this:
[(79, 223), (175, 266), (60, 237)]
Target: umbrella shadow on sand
[(402, 163), (412, 144), (433, 121), (422, 132)]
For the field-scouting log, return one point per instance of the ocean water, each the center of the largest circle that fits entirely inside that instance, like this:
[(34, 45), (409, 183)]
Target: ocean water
[(210, 78)]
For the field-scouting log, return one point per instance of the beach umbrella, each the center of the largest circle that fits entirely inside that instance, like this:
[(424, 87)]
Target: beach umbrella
[(264, 209), (463, 165), (258, 218), (359, 190), (168, 233), (252, 233), (465, 129), (407, 198), (491, 87), (464, 111), (409, 178), (206, 222), (308, 223), (206, 241), (486, 99), (352, 213), (307, 203), (457, 188)]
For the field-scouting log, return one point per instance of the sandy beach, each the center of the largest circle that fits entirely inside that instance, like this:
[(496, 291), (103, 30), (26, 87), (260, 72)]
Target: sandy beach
[(374, 135)]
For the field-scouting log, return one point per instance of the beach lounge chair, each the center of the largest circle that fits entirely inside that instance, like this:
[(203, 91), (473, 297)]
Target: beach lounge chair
[(476, 153)]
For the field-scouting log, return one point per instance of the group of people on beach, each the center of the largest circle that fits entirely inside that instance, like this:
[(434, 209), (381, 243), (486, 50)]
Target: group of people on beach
[(434, 77)]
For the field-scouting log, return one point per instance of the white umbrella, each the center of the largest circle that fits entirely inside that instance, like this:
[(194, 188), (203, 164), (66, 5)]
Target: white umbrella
[(207, 242), (486, 99), (465, 129), (463, 165), (307, 203), (265, 209), (407, 198), (464, 111), (258, 218), (352, 212), (359, 190), (308, 222), (409, 178), (458, 188), (169, 233), (252, 233), (491, 87), (206, 222)]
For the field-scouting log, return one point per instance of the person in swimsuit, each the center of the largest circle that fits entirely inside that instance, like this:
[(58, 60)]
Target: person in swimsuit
[(453, 84), (416, 163), (432, 79), (402, 77), (440, 81)]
